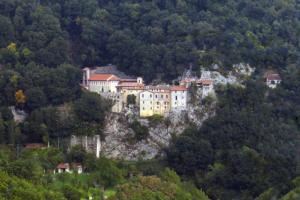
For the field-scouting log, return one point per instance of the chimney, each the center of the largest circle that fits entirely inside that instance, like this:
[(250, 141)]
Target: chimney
[(139, 80)]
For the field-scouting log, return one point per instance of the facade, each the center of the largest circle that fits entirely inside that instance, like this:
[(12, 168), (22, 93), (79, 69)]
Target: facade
[(161, 99), (272, 80), (106, 82), (178, 98), (62, 168), (207, 87), (114, 85), (68, 168), (205, 84), (146, 103), (126, 88)]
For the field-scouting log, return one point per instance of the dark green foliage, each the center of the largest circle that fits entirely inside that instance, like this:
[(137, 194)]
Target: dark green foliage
[(153, 39), (131, 99), (248, 147), (141, 131), (91, 107), (155, 120)]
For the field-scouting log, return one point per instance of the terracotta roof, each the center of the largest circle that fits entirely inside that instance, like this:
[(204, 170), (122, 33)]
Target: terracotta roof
[(272, 77), (131, 85), (178, 88), (63, 166), (34, 146), (103, 77), (205, 81), (157, 87)]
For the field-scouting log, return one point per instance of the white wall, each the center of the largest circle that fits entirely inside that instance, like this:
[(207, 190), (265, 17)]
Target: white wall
[(178, 100), (103, 86)]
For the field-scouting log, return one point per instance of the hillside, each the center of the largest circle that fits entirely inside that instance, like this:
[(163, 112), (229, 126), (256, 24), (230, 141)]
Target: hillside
[(242, 145), (154, 38)]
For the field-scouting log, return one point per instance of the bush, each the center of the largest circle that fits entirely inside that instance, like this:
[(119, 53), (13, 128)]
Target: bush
[(141, 131)]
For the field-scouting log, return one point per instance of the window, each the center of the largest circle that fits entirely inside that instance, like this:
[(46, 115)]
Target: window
[(157, 103), (156, 96), (143, 102), (150, 95), (176, 98), (143, 95), (162, 96), (143, 108), (167, 96)]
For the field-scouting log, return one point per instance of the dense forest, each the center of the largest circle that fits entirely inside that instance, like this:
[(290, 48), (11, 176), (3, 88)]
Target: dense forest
[(154, 38), (248, 150)]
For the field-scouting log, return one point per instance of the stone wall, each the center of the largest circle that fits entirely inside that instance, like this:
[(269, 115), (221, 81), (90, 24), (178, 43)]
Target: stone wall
[(92, 144)]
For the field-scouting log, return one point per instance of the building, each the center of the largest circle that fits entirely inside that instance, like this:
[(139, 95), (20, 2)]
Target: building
[(126, 88), (116, 86), (146, 103), (111, 84), (68, 168), (33, 146), (272, 80), (63, 168), (206, 86), (178, 98), (162, 99)]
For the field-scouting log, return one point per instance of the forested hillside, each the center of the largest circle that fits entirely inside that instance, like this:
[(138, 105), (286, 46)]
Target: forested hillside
[(248, 150), (153, 38)]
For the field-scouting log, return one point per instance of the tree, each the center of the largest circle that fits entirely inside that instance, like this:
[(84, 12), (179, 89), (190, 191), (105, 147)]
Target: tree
[(20, 98), (131, 99), (141, 131), (91, 107), (35, 98)]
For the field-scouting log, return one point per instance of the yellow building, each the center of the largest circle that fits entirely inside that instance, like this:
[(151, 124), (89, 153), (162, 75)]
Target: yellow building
[(155, 100), (146, 104), (126, 88)]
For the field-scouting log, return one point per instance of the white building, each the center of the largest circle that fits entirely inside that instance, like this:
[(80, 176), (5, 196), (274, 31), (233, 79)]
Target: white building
[(68, 168), (272, 80), (178, 98), (102, 81), (206, 86)]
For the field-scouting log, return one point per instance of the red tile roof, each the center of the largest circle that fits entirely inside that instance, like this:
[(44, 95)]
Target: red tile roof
[(103, 77), (178, 88), (63, 166), (34, 145), (134, 85), (205, 82), (272, 77)]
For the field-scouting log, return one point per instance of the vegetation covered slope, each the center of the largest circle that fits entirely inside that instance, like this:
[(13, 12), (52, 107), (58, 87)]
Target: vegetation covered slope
[(153, 38), (251, 145)]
